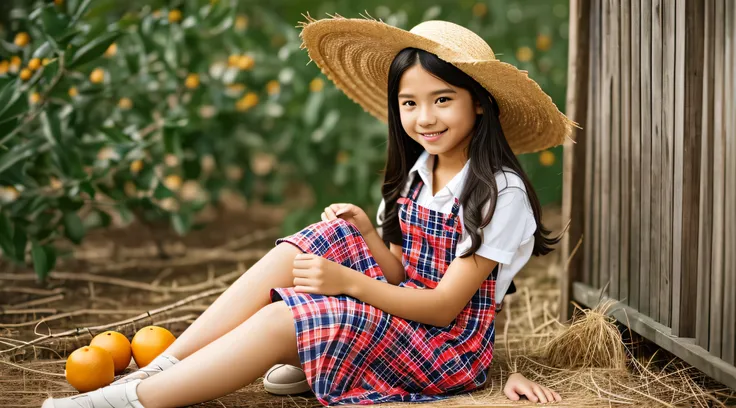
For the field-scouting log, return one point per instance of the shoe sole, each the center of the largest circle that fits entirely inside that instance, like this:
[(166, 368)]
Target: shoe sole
[(286, 389)]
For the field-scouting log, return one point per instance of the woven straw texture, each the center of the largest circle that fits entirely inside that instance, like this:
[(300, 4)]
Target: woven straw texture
[(356, 55)]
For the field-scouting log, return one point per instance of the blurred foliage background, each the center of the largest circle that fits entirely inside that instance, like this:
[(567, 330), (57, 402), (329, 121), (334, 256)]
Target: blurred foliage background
[(152, 110)]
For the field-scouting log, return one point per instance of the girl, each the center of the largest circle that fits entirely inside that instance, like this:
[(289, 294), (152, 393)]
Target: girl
[(410, 321)]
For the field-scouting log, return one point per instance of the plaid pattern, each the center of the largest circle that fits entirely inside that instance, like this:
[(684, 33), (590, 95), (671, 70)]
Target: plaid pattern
[(354, 353)]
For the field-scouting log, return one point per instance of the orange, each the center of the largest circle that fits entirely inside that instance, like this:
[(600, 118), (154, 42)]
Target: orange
[(25, 74), (97, 76), (22, 39), (174, 16), (149, 342), (546, 158), (117, 345), (89, 368), (192, 81), (34, 64)]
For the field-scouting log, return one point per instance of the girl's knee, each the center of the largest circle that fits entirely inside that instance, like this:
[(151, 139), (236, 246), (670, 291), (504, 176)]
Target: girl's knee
[(280, 315)]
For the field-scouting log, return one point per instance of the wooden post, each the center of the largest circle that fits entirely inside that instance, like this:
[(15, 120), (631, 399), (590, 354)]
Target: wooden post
[(573, 207)]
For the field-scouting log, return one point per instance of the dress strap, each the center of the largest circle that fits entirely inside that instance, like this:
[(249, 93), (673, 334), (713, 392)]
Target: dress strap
[(416, 188)]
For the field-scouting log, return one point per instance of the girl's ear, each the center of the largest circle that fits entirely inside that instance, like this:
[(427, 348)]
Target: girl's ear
[(478, 109)]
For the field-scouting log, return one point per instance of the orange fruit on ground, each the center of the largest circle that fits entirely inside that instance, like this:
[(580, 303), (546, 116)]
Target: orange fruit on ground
[(117, 345), (149, 342), (89, 368)]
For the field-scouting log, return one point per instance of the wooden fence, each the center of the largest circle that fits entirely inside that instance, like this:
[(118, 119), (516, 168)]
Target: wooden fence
[(650, 182)]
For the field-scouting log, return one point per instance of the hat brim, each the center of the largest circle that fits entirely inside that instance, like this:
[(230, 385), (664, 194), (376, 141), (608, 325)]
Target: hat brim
[(356, 54)]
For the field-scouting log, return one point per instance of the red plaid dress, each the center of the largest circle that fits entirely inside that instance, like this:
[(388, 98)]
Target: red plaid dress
[(354, 353)]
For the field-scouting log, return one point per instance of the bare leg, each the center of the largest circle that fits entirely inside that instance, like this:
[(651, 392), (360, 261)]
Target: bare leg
[(247, 295), (227, 364)]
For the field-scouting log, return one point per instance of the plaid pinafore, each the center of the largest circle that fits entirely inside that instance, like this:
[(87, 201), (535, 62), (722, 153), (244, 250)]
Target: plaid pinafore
[(354, 353)]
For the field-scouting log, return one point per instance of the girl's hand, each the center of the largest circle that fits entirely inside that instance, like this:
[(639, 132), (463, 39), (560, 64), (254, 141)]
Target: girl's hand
[(351, 213), (314, 274), (517, 385)]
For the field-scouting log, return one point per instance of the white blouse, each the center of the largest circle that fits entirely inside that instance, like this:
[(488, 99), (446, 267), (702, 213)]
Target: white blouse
[(508, 239)]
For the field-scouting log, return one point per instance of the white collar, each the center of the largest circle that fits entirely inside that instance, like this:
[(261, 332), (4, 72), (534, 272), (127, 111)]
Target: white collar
[(424, 165)]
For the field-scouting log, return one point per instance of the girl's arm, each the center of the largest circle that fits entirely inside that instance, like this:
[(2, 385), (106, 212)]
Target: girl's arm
[(389, 260), (438, 306)]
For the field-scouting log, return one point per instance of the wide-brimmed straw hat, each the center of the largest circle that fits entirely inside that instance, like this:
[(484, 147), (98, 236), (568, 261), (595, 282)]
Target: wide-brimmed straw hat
[(356, 55)]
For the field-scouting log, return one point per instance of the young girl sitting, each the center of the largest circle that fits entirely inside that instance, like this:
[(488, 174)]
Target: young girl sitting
[(405, 315)]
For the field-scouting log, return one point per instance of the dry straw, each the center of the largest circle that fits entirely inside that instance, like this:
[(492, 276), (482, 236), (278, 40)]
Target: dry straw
[(591, 341), (356, 55)]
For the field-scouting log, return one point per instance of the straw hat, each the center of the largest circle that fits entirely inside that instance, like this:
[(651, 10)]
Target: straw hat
[(356, 55)]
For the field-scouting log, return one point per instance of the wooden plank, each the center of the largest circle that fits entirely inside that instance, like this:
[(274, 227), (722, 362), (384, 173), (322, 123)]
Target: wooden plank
[(684, 348), (728, 353), (635, 238), (705, 217), (595, 265), (645, 90), (668, 138), (591, 139), (716, 281), (605, 134), (574, 207), (614, 62), (677, 198), (692, 133), (625, 45), (656, 186)]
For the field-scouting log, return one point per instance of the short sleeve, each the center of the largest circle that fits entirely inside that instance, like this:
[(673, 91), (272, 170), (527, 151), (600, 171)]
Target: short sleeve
[(511, 226), (379, 213)]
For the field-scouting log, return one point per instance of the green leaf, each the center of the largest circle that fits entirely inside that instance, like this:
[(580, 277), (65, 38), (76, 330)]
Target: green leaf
[(314, 103), (20, 152), (53, 22), (20, 241), (73, 227), (16, 106), (6, 94), (115, 135), (79, 10), (6, 236), (50, 70), (93, 49), (182, 223), (51, 127), (44, 50), (87, 188), (70, 203), (162, 192), (44, 259), (172, 140), (96, 219)]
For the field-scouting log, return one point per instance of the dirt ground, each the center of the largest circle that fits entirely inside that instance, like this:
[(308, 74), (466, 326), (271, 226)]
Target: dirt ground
[(119, 279)]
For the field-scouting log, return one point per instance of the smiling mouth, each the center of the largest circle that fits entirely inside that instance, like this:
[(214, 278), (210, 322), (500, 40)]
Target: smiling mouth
[(435, 134)]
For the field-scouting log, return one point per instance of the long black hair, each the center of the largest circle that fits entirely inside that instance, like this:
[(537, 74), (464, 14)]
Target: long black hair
[(488, 152)]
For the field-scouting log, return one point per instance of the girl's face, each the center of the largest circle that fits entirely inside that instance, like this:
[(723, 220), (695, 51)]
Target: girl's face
[(437, 115)]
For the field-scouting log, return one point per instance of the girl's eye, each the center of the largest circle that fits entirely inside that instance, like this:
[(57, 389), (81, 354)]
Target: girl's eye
[(441, 97)]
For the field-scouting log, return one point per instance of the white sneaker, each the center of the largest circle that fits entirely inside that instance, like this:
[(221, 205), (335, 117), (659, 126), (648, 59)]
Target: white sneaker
[(285, 379), (160, 363), (112, 396)]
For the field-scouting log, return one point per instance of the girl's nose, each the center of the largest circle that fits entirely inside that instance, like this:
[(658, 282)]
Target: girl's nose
[(426, 117)]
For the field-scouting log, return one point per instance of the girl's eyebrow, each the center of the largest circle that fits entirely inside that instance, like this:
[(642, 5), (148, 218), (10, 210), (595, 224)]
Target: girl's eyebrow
[(441, 91)]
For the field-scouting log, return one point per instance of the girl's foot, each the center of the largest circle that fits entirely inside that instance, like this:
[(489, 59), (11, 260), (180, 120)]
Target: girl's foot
[(284, 379), (112, 396), (160, 363)]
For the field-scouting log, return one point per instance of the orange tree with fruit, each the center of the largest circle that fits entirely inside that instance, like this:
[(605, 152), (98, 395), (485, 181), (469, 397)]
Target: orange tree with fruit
[(151, 109)]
